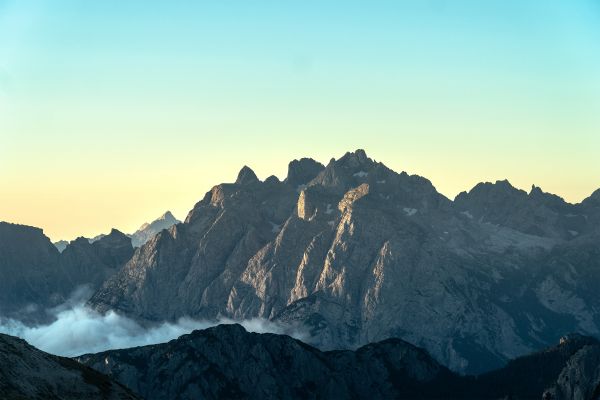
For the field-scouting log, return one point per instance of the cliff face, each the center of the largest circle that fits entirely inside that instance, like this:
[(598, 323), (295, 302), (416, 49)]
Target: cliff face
[(359, 253), (28, 373)]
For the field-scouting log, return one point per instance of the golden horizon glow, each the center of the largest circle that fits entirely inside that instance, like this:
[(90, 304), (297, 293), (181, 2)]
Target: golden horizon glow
[(113, 112)]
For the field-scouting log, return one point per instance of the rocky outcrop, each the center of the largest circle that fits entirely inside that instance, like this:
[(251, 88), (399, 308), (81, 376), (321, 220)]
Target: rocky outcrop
[(28, 373), (580, 378), (361, 253)]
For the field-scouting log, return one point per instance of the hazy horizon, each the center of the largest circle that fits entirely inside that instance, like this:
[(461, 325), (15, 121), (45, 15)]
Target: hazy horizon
[(112, 113)]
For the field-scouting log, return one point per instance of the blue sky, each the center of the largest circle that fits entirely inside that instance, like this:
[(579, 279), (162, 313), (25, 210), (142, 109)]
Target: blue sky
[(113, 111)]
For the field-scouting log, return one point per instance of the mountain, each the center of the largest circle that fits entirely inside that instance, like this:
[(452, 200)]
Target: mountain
[(580, 378), (36, 276), (28, 373), (92, 263), (139, 237), (147, 230), (30, 270), (359, 253), (228, 362), (61, 245)]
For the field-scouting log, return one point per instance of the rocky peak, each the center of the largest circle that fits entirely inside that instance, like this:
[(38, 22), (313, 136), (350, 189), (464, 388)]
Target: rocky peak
[(347, 172), (593, 200), (168, 216), (355, 159), (302, 171), (246, 176), (272, 180)]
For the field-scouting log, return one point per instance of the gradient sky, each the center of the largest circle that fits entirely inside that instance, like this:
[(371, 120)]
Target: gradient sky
[(112, 111)]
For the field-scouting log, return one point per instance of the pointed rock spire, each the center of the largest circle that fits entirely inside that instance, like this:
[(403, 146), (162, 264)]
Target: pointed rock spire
[(246, 176)]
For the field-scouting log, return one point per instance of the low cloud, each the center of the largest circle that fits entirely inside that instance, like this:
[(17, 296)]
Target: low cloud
[(77, 330)]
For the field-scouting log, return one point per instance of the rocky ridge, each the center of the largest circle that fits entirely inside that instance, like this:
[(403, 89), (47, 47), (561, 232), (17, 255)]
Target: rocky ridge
[(359, 253)]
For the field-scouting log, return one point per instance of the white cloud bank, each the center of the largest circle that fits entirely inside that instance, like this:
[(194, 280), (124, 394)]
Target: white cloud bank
[(78, 329)]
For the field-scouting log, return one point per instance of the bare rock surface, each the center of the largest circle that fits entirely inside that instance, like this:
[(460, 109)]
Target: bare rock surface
[(359, 253)]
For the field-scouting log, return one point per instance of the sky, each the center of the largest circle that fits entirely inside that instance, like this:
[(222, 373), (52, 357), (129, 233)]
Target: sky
[(112, 112)]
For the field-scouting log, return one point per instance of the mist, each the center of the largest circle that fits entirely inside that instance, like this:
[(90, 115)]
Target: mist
[(78, 329)]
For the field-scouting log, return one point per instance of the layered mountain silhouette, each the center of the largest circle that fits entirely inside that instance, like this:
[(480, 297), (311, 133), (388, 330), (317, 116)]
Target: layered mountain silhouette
[(228, 362), (355, 252), (139, 237)]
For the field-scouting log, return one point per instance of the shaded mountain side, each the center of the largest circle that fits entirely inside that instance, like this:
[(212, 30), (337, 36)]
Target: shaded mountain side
[(36, 276), (359, 253), (28, 373), (228, 362), (30, 270)]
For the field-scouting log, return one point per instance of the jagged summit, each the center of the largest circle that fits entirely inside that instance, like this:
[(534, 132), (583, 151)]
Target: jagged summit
[(360, 253), (354, 159), (246, 176), (302, 171), (148, 230)]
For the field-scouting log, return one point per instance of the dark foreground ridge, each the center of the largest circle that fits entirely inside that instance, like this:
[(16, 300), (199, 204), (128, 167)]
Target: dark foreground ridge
[(28, 373), (228, 362)]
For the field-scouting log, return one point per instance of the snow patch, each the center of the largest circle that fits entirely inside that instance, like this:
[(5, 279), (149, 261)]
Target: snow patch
[(467, 214), (381, 181), (574, 233), (410, 211), (274, 227), (361, 174), (329, 209)]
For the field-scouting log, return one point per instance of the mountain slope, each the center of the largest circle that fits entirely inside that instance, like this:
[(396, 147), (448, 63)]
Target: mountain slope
[(226, 361), (35, 276), (28, 373), (360, 253)]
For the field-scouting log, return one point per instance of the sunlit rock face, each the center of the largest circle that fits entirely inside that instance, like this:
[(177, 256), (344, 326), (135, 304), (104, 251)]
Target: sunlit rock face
[(358, 253)]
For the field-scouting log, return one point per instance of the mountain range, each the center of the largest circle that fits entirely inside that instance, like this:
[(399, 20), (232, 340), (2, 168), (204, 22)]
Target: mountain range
[(139, 237), (359, 253), (353, 252), (226, 362)]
